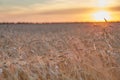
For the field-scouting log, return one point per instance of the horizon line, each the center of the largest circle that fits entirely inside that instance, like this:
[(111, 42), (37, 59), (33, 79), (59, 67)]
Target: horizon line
[(58, 22)]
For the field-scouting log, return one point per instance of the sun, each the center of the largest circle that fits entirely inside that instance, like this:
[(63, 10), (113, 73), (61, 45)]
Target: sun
[(101, 15)]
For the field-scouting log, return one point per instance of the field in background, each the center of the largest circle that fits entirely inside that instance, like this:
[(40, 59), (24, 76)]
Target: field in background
[(74, 51)]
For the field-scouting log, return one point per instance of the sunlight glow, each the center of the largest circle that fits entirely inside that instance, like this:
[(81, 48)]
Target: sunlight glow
[(100, 15), (102, 3)]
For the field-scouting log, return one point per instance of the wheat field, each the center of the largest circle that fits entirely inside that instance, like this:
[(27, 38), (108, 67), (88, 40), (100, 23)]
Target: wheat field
[(60, 51)]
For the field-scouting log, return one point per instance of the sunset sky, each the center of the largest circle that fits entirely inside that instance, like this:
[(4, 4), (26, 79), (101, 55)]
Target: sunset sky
[(59, 10)]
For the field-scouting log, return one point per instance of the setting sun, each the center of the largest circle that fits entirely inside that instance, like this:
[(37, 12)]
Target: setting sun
[(101, 15)]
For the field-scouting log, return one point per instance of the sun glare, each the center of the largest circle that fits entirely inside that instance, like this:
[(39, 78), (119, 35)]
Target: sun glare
[(101, 15), (102, 3)]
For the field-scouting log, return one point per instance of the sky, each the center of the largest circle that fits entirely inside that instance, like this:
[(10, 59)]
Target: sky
[(58, 10)]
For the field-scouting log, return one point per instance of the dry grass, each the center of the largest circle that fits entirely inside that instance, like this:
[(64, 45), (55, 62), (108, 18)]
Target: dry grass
[(59, 52)]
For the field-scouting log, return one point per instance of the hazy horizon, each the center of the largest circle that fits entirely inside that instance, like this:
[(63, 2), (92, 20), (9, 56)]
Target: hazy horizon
[(58, 10)]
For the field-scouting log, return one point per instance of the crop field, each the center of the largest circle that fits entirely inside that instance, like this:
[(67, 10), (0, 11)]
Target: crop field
[(60, 51)]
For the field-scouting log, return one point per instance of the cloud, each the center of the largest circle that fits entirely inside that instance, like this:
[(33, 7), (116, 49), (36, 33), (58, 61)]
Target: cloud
[(21, 2), (116, 8), (67, 11), (29, 2)]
